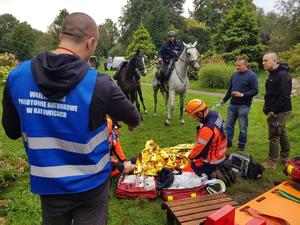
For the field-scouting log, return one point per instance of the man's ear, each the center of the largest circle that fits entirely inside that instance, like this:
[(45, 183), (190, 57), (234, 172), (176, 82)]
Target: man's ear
[(91, 44)]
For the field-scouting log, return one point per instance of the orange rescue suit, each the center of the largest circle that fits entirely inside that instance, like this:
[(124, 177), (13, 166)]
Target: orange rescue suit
[(116, 150), (211, 143)]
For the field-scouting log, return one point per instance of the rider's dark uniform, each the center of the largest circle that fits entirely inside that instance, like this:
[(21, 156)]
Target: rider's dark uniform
[(169, 52)]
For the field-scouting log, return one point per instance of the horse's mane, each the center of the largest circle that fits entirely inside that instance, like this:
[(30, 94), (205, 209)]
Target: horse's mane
[(119, 69)]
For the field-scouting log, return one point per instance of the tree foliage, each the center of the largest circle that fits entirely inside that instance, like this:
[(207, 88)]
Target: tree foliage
[(291, 10), (212, 12), (151, 13), (158, 24), (195, 30), (44, 42), (7, 24), (141, 40), (237, 34), (292, 57), (22, 41), (108, 37), (55, 27)]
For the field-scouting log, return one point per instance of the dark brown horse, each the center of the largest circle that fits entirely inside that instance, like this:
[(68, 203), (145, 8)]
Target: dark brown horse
[(128, 78)]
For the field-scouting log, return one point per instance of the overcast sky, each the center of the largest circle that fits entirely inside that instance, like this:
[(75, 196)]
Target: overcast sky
[(41, 13)]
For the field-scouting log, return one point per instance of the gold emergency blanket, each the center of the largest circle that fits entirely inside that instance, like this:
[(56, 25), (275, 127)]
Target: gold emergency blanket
[(152, 158)]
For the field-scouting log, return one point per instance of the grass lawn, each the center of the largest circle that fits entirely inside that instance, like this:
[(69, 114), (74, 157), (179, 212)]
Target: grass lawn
[(24, 207)]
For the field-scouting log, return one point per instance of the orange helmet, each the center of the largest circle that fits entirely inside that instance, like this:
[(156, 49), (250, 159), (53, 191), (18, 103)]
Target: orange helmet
[(109, 124), (194, 106)]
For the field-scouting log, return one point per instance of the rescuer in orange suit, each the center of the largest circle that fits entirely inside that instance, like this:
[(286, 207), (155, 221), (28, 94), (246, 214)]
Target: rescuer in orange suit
[(209, 151), (119, 163)]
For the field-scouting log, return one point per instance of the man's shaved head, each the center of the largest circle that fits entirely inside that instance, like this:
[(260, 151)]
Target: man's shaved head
[(272, 55), (270, 61), (79, 26)]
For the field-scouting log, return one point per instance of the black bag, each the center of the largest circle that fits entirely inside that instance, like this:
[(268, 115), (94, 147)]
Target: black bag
[(246, 166), (255, 170)]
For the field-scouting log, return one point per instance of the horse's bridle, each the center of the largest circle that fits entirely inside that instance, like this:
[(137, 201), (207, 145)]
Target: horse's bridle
[(189, 62)]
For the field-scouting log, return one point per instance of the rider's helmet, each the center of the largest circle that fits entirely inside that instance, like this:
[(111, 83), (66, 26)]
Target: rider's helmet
[(171, 34), (194, 106)]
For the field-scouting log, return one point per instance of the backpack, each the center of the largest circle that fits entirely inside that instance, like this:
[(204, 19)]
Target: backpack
[(255, 170)]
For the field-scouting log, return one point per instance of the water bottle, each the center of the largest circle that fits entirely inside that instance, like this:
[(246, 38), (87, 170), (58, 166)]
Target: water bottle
[(276, 122), (216, 107)]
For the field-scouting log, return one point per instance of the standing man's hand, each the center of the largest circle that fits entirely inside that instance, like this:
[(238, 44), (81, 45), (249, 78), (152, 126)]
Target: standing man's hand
[(237, 94), (222, 102)]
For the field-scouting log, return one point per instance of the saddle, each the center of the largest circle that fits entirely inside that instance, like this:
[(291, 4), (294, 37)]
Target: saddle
[(165, 72)]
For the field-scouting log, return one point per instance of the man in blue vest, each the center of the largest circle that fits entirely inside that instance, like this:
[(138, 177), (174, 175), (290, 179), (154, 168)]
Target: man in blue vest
[(59, 105), (169, 52)]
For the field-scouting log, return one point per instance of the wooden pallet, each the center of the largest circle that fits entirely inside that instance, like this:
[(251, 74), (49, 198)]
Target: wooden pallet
[(193, 211)]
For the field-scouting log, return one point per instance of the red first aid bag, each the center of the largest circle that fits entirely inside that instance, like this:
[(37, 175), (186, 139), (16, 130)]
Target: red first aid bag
[(292, 168), (174, 194), (136, 186)]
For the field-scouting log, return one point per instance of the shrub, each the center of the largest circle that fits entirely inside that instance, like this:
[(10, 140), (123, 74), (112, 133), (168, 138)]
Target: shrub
[(7, 63), (192, 73), (213, 59), (216, 75), (253, 66), (292, 57)]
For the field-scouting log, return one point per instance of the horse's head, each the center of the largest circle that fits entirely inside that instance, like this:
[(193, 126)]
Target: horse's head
[(138, 63), (192, 55)]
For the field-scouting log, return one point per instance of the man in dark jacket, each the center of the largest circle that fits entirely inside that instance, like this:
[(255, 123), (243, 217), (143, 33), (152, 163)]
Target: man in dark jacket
[(277, 107), (59, 106), (242, 88), (169, 52)]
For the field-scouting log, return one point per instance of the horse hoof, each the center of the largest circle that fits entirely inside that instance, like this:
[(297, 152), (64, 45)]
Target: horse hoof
[(167, 123), (182, 122), (146, 111), (154, 114)]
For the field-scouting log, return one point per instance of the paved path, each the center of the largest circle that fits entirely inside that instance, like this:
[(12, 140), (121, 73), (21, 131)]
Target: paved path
[(215, 94)]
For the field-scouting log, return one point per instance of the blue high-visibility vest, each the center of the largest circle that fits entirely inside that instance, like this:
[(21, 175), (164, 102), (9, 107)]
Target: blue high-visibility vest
[(65, 157)]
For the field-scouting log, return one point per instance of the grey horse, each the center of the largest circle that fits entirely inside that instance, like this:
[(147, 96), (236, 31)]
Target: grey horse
[(178, 82)]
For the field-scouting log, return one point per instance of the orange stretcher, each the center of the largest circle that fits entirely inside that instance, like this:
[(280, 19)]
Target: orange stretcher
[(273, 204)]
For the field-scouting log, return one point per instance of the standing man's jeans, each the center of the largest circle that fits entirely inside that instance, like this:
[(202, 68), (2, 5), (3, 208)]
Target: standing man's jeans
[(239, 112), (278, 139)]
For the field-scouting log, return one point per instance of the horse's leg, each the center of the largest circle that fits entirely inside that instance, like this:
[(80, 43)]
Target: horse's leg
[(137, 104), (171, 108), (155, 90), (182, 97), (139, 90), (165, 94)]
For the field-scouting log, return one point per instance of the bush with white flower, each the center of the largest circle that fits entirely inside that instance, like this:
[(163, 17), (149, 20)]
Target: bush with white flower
[(7, 63)]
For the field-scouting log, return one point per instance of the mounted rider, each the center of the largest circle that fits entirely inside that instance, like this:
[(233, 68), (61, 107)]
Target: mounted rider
[(169, 52)]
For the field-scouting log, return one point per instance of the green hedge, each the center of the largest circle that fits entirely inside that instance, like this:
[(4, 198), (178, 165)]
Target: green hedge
[(216, 75), (292, 57)]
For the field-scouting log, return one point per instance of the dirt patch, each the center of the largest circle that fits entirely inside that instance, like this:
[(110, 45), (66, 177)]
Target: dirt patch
[(2, 221), (243, 190), (4, 203)]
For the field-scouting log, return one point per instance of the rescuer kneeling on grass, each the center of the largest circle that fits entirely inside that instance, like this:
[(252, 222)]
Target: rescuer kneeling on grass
[(118, 159), (210, 148)]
